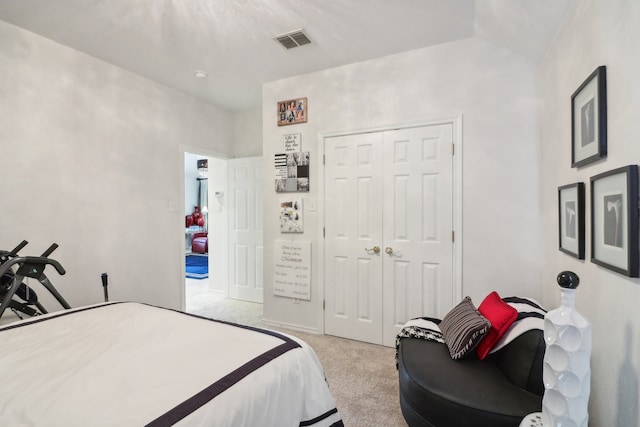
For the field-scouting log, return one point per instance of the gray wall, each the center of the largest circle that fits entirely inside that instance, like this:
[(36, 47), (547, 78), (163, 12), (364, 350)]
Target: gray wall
[(596, 33), (93, 160)]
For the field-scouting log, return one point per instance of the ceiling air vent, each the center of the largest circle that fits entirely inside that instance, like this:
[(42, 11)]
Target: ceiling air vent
[(292, 39)]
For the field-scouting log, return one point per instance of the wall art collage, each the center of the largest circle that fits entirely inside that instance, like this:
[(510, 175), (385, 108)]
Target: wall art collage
[(614, 194), (292, 166)]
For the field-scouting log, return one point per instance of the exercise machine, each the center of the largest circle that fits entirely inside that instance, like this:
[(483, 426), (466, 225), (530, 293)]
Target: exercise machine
[(18, 296)]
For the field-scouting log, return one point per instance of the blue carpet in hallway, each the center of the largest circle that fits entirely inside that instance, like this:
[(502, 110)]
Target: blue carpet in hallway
[(197, 266)]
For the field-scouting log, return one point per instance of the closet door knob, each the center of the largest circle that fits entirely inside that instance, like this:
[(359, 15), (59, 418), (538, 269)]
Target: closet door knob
[(375, 249), (389, 250)]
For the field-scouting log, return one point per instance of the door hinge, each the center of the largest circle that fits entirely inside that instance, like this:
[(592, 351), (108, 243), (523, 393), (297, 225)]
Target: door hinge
[(323, 232), (453, 149), (323, 159), (324, 304), (453, 236)]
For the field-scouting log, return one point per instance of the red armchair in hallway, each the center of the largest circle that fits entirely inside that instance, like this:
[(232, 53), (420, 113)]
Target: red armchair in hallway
[(200, 243)]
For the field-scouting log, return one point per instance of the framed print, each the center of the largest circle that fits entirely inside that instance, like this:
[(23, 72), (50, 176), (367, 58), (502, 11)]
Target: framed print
[(291, 213), (614, 220), (589, 119), (292, 172), (291, 143), (292, 111), (571, 219)]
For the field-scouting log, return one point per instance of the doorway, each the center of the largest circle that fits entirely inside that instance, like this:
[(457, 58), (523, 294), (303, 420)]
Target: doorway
[(206, 280), (234, 234), (389, 219)]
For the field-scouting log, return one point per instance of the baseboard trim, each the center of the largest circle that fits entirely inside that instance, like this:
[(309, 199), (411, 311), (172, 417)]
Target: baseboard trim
[(291, 326)]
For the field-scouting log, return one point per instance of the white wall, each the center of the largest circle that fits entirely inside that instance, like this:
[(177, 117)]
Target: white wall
[(598, 32), (92, 160), (218, 225), (191, 188), (493, 90), (247, 133)]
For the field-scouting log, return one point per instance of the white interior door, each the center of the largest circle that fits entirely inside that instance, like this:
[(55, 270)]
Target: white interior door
[(418, 225), (353, 227), (245, 229), (391, 190)]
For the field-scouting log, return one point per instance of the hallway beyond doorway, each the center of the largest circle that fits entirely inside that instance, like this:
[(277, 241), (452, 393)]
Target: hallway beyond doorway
[(201, 301)]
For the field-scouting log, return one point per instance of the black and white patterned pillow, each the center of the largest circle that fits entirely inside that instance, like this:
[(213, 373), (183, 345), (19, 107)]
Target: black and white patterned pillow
[(463, 328)]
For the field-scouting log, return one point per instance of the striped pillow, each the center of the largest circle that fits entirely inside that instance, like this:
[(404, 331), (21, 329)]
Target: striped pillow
[(463, 328)]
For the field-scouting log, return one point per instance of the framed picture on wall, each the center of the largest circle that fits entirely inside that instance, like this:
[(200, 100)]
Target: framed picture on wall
[(571, 219), (291, 216), (589, 119), (292, 111), (614, 220), (292, 172)]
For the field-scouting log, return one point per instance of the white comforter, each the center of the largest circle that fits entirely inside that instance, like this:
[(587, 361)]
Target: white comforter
[(129, 364)]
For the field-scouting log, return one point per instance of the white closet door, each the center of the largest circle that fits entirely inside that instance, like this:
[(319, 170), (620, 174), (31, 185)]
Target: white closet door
[(245, 229), (418, 224), (353, 226), (392, 190)]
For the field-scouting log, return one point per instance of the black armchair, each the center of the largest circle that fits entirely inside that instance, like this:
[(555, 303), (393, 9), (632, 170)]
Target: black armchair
[(437, 391)]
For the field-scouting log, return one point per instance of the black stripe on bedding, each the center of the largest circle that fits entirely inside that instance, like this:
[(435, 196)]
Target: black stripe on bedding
[(319, 418), (202, 398), (38, 319)]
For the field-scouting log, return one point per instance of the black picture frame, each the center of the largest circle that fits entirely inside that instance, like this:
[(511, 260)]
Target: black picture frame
[(589, 119), (614, 220), (571, 219)]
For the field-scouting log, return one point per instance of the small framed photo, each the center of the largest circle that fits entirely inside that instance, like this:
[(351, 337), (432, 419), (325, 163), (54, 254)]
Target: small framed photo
[(571, 219), (291, 216), (589, 119), (292, 111), (614, 220)]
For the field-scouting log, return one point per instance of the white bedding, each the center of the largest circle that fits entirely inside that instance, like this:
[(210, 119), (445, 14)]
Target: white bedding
[(129, 364)]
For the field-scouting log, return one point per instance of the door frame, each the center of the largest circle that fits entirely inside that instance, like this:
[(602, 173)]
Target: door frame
[(456, 123), (184, 148)]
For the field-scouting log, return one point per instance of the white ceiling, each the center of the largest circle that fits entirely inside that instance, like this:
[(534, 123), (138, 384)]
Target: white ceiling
[(232, 40)]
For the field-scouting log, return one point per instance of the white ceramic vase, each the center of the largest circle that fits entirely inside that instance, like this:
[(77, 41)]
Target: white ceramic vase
[(566, 371)]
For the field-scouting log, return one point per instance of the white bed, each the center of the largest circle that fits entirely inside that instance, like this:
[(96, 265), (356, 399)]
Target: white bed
[(130, 364)]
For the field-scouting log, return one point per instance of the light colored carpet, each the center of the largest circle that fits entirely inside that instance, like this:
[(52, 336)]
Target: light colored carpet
[(362, 377)]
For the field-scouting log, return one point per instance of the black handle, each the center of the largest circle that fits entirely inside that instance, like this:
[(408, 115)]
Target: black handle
[(34, 261), (7, 255), (105, 284), (17, 249), (49, 250)]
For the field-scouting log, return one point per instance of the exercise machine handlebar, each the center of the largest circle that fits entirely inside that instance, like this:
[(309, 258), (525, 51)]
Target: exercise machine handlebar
[(50, 250), (5, 255), (17, 249), (28, 266)]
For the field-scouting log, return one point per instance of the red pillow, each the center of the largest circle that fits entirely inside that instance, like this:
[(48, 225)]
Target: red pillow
[(501, 315)]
